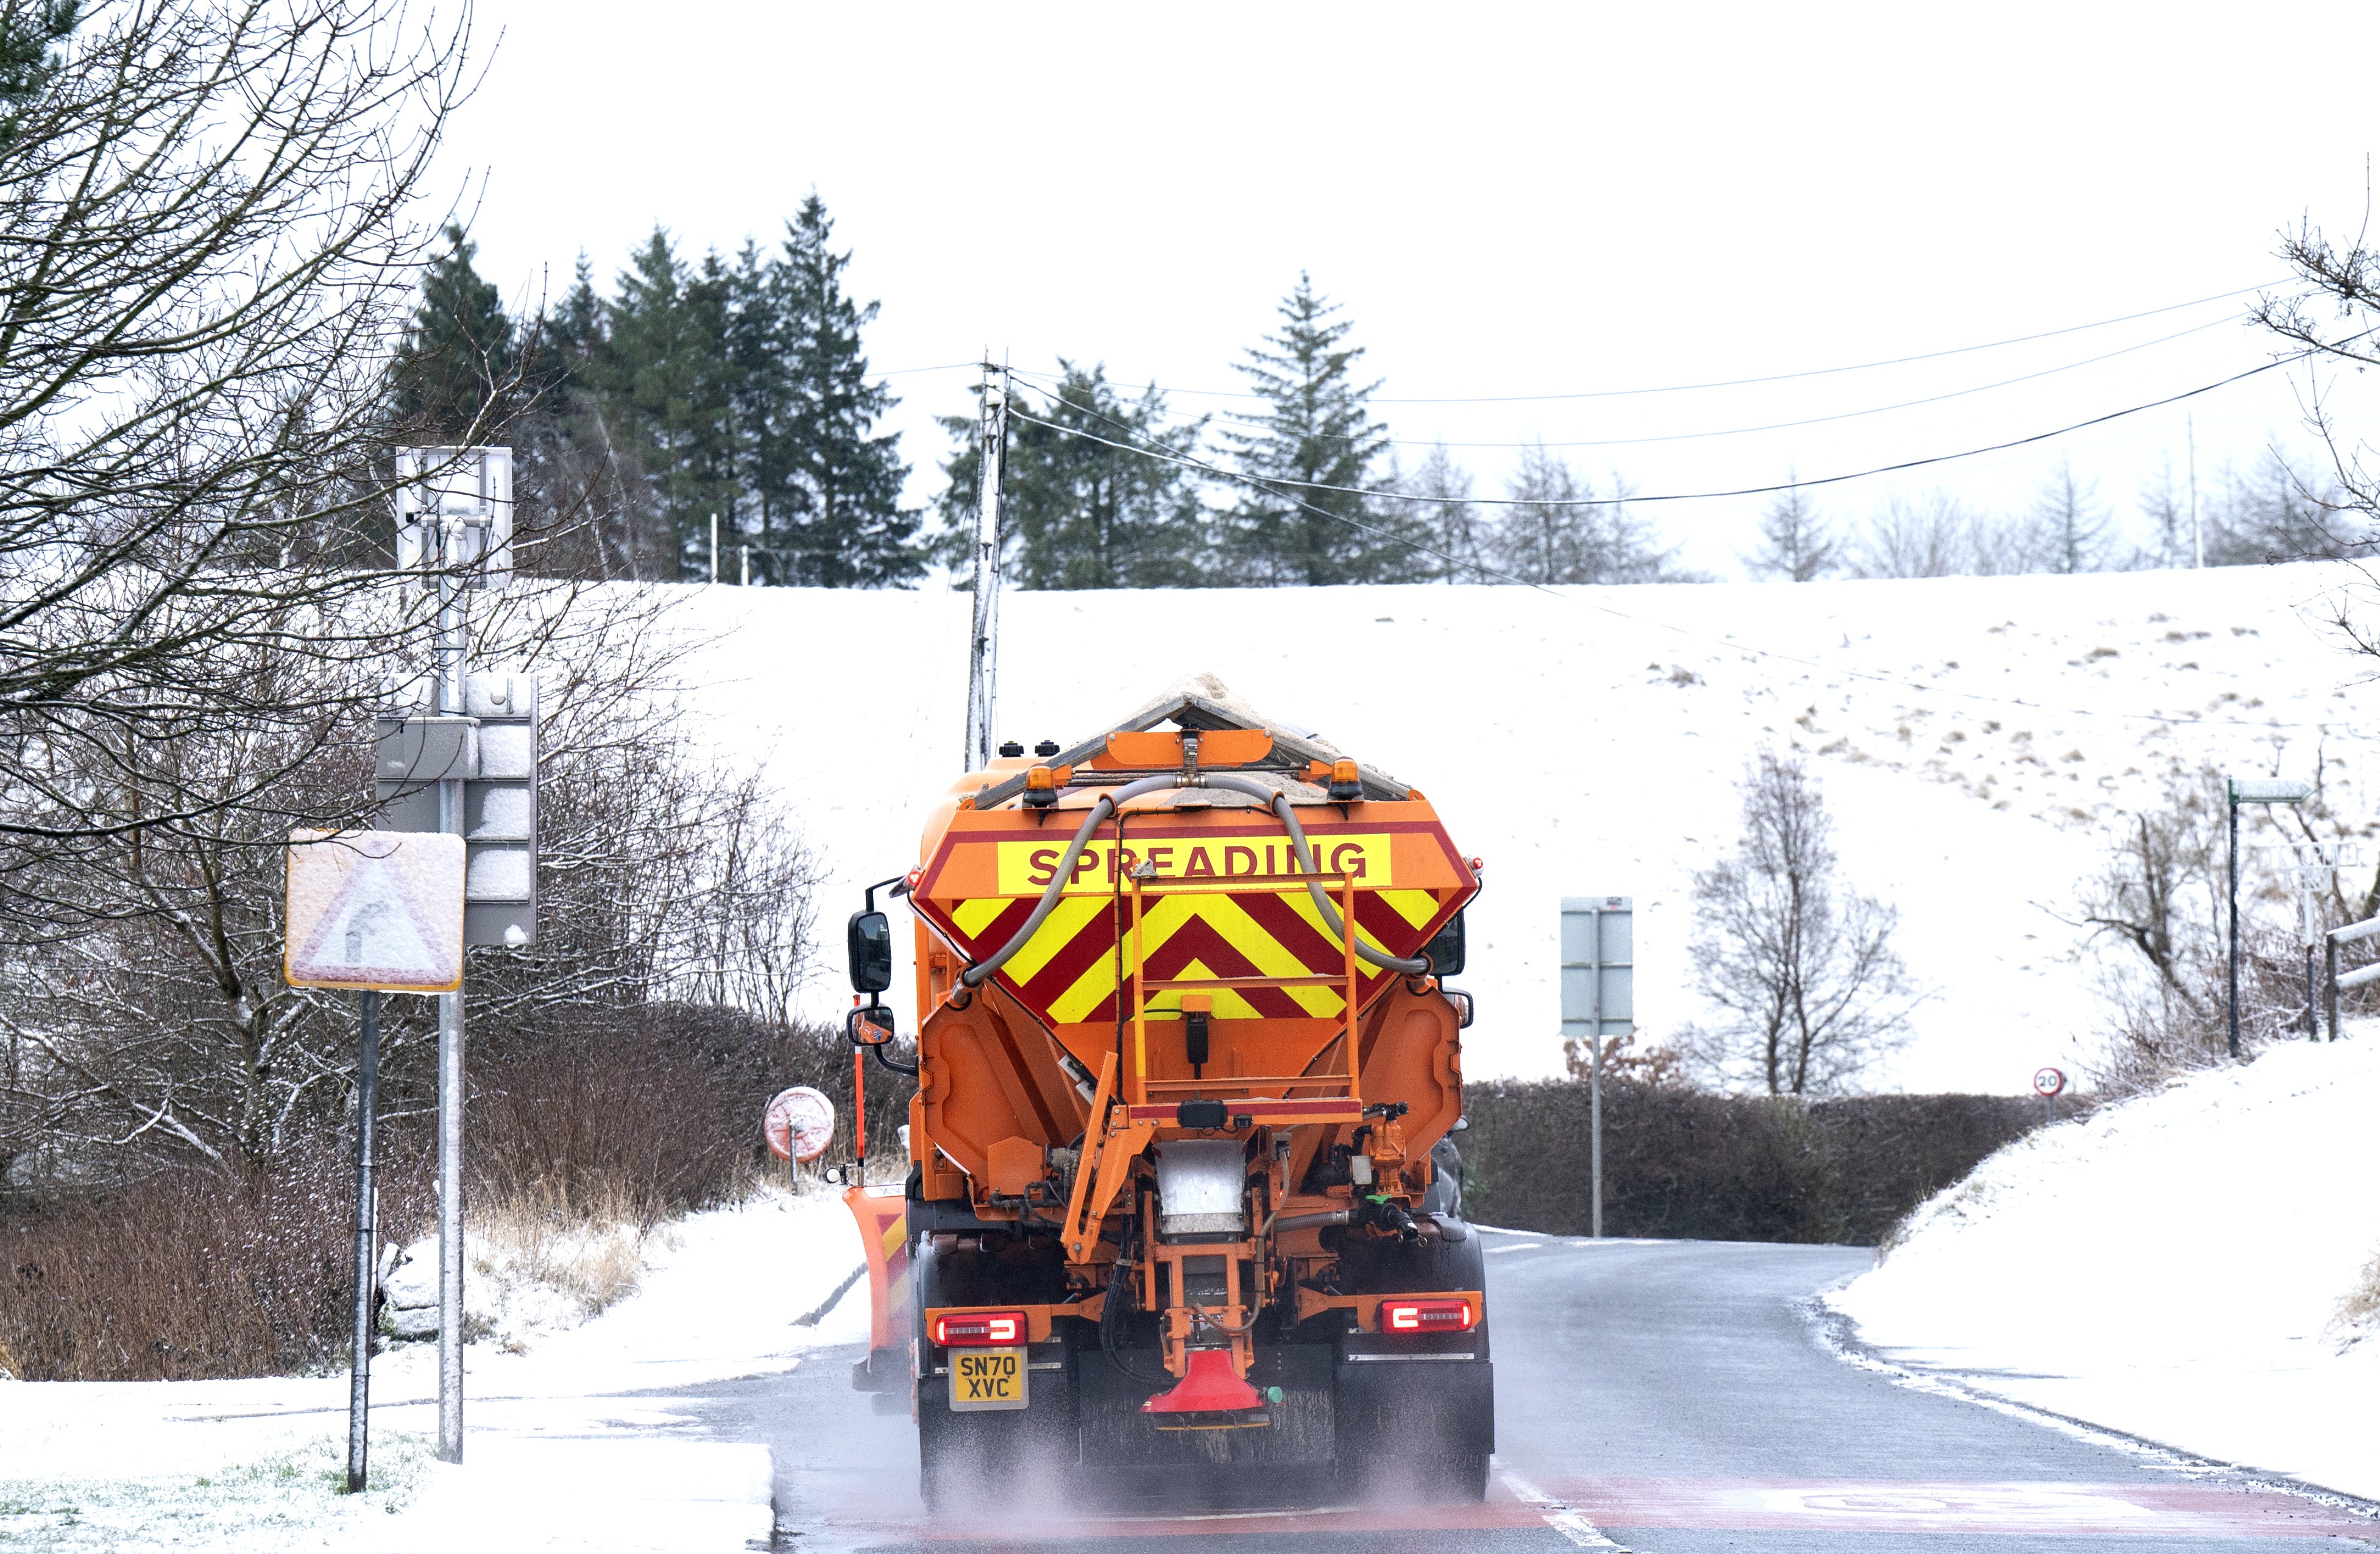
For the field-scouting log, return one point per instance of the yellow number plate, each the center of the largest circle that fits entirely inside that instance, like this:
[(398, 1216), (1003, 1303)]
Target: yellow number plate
[(987, 1379)]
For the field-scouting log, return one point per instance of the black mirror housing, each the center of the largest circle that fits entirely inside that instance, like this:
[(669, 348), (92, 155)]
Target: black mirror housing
[(868, 941), (1445, 948)]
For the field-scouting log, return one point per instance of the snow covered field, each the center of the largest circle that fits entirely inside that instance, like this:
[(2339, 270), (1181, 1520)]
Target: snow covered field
[(2172, 1267), (564, 1445), (1974, 736)]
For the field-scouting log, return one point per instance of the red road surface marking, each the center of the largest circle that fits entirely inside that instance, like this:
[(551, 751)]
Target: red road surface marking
[(1502, 1510), (2042, 1508)]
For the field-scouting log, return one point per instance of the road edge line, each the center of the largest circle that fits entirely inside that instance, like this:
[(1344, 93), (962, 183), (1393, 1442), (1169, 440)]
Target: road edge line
[(1562, 1518), (1836, 1333)]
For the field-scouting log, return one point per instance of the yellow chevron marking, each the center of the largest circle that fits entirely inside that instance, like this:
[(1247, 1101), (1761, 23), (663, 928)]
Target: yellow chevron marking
[(1303, 904), (973, 917), (1071, 917), (1414, 906), (1167, 915)]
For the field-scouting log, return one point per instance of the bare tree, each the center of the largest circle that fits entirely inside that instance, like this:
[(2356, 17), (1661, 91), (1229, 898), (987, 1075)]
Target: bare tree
[(205, 250), (1563, 532), (1435, 507), (165, 1031), (2334, 322), (1795, 542), (1802, 966), (2074, 531), (1931, 536)]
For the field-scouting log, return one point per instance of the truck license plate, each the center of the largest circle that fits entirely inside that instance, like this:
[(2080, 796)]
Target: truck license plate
[(987, 1379)]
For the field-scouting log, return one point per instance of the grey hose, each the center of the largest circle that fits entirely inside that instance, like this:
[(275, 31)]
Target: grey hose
[(1279, 803), (979, 973)]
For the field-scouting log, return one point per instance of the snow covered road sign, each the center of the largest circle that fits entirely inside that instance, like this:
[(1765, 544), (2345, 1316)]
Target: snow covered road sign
[(375, 909)]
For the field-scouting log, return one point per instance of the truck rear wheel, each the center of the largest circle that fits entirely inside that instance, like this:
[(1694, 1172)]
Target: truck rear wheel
[(964, 1458)]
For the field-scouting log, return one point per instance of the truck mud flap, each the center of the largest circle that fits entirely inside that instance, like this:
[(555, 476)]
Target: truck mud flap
[(1420, 1404)]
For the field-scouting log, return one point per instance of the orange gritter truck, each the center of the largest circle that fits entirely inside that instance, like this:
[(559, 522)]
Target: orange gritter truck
[(1182, 1215)]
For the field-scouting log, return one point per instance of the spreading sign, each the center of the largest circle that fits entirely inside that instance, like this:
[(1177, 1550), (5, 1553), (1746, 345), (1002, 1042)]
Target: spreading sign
[(799, 1124), (375, 910)]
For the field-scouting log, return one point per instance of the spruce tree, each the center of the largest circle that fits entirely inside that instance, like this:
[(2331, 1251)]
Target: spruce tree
[(1286, 530), (457, 377), (830, 504), (1077, 513), (29, 56), (664, 377)]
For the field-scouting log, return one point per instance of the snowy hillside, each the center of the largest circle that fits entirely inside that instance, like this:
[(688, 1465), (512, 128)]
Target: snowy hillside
[(1973, 736), (2173, 1266)]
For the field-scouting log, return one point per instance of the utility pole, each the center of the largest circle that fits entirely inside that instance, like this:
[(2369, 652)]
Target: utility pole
[(714, 547), (983, 638)]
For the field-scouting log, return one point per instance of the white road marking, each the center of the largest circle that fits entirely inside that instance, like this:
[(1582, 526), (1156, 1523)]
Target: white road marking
[(1558, 1516), (1520, 1246)]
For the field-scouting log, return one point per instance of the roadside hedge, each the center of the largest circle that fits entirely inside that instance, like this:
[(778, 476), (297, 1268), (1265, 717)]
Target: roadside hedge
[(1687, 1164)]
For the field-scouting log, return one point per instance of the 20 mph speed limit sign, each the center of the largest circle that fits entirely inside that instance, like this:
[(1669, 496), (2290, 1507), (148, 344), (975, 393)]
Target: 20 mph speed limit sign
[(2048, 1082)]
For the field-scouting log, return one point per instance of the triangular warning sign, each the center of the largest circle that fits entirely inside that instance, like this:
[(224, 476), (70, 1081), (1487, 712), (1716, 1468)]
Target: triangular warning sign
[(374, 931)]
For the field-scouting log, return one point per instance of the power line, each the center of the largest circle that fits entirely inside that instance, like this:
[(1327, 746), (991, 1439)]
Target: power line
[(1481, 568), (1270, 483), (1746, 382), (1773, 426)]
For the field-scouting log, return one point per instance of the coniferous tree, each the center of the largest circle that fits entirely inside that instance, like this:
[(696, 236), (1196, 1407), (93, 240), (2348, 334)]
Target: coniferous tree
[(1077, 513), (29, 56), (665, 375), (1795, 542), (834, 483), (457, 374), (1287, 527)]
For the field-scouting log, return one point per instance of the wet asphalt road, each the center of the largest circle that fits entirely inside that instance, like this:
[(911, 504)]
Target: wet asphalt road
[(1665, 1397)]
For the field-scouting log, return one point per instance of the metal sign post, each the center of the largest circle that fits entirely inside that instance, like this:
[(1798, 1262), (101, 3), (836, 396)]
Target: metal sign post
[(366, 1234), (2048, 1083), (1598, 999), (372, 911), (455, 522), (2238, 791)]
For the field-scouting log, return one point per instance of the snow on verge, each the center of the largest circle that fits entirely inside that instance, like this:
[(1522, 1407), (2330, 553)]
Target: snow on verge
[(2176, 1267), (565, 1447)]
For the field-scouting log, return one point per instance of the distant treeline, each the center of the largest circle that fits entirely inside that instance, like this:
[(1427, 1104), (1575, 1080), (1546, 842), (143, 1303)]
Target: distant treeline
[(736, 390)]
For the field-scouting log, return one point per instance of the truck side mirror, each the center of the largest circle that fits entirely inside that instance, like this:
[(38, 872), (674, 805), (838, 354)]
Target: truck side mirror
[(870, 943), (1445, 948)]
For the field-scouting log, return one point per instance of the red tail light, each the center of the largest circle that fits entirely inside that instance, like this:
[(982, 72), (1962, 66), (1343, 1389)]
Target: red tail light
[(975, 1329), (1425, 1317)]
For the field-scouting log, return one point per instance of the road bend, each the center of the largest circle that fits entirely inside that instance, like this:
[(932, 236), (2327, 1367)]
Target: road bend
[(1665, 1397)]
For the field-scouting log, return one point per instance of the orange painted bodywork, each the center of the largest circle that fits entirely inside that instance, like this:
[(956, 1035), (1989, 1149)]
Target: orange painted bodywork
[(1077, 1044)]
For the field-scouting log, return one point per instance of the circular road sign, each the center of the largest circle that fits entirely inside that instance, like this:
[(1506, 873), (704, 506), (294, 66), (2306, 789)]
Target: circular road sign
[(799, 1124), (2048, 1081)]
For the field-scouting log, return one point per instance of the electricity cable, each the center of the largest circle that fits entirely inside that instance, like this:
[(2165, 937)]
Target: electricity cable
[(1747, 430), (1745, 382), (1271, 483), (1726, 643)]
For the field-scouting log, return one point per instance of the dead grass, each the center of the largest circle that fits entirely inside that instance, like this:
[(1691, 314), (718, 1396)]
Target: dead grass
[(2358, 1313), (585, 1141)]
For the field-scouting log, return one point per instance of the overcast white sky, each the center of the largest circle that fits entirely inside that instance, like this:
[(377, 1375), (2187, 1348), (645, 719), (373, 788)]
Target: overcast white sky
[(1510, 200)]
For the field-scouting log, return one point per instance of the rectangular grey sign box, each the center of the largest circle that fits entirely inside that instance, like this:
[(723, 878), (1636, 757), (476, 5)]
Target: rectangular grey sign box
[(1599, 965), (499, 797)]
